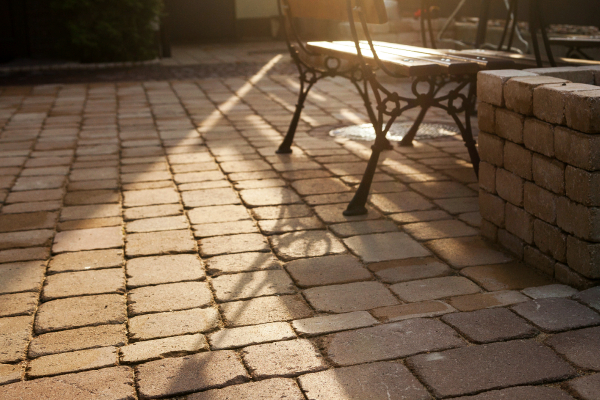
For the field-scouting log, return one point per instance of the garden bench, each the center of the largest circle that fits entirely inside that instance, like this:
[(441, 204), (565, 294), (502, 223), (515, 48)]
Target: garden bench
[(441, 78)]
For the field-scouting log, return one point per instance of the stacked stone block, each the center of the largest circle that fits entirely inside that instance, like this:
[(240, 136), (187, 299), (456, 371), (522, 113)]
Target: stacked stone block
[(539, 177)]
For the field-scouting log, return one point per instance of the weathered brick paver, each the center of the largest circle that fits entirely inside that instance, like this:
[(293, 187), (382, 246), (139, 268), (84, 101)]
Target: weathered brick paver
[(555, 315), (159, 325), (283, 388)]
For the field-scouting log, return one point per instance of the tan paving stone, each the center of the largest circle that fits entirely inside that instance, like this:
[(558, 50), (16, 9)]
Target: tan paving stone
[(372, 381), (153, 326), (233, 244), (204, 176), (385, 246), (264, 310), (90, 223), (28, 254), (73, 284), (86, 260), (333, 323), (93, 174), (225, 228), (18, 303), (250, 335), (209, 197), (241, 262), (410, 269), (295, 245), (419, 216), (14, 338), (363, 228), (284, 359), (138, 198), (34, 206), (78, 339), (92, 197), (169, 297), (150, 176), (252, 284), (76, 361), (12, 240), (10, 373), (332, 213), (506, 276), (108, 383), (157, 224), (400, 202), (90, 212), (93, 185), (269, 197), (327, 270), (209, 215), (472, 302), (148, 185), (269, 388), (180, 375), (163, 210), (459, 205), (244, 166), (320, 186), (38, 183), (467, 251), (163, 269), (439, 229), (321, 199), (414, 310), (259, 184), (282, 212), (522, 392), (88, 239), (21, 277), (442, 190), (66, 313), (275, 226), (349, 297), (28, 221), (39, 195), (434, 288), (391, 341), (243, 176), (161, 348), (166, 242)]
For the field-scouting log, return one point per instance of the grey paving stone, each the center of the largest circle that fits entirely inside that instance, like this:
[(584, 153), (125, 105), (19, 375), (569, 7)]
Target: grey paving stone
[(18, 303), (209, 215), (154, 270), (86, 260), (490, 325), (522, 393), (348, 297), (333, 323), (265, 309), (182, 375), (385, 246), (283, 388), (283, 359), (471, 302), (161, 348), (459, 205), (14, 337), (442, 190), (381, 380), (413, 310), (439, 229), (74, 361), (363, 228), (114, 383), (556, 315), (549, 291), (21, 277), (391, 341), (167, 242), (591, 297), (467, 251), (333, 213), (252, 284), (472, 369), (169, 297), (250, 335), (326, 270), (408, 270), (581, 347), (241, 262), (274, 226), (290, 246), (586, 387), (434, 288), (153, 326), (233, 244), (88, 239)]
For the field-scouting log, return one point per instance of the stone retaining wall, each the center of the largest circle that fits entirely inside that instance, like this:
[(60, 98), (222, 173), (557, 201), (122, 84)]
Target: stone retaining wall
[(540, 171)]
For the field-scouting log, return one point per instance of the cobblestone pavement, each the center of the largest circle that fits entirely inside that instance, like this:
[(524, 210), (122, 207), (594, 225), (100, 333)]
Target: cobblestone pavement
[(152, 245)]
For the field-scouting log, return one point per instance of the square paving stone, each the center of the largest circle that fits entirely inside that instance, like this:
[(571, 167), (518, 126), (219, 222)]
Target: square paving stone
[(413, 310), (13, 240), (72, 284), (491, 325), (21, 277), (282, 388), (282, 212), (385, 246), (581, 347), (586, 387), (265, 309), (410, 269), (14, 337), (137, 198), (506, 276), (273, 226), (110, 383), (78, 339), (333, 323), (182, 375), (434, 288), (478, 301), (381, 380), (283, 359), (27, 221), (522, 393), (467, 251), (400, 202), (362, 228), (439, 229), (89, 212), (153, 326), (86, 260), (391, 341), (332, 213), (88, 239), (233, 244), (327, 270), (68, 313), (295, 245), (591, 297), (157, 224), (162, 348), (241, 262), (252, 284), (209, 197), (75, 361), (250, 335), (18, 303), (208, 215), (349, 297), (225, 228), (163, 269), (493, 366), (166, 242), (442, 190), (169, 297), (549, 291), (269, 197), (556, 315)]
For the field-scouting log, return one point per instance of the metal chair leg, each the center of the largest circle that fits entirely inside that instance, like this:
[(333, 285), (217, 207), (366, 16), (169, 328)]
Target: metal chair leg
[(285, 147)]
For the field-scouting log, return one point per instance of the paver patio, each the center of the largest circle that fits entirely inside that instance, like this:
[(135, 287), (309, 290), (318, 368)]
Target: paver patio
[(153, 245)]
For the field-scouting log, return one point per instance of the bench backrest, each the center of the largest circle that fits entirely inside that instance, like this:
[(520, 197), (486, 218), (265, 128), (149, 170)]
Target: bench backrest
[(374, 10)]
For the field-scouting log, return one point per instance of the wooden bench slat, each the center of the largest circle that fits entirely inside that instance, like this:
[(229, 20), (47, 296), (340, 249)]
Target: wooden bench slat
[(524, 60)]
